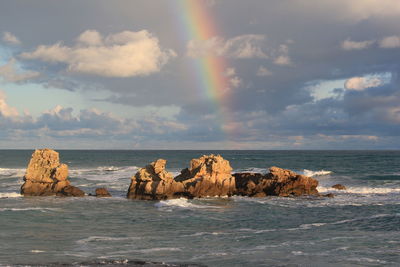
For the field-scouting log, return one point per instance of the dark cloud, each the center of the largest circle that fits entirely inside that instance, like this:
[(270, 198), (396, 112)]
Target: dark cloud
[(301, 43)]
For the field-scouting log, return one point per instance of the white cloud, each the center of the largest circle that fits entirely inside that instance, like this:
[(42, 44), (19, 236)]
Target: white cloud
[(352, 45), (243, 46), (263, 71), (390, 42), (234, 80), (90, 37), (361, 83), (9, 73), (123, 54), (5, 109), (10, 38), (283, 56)]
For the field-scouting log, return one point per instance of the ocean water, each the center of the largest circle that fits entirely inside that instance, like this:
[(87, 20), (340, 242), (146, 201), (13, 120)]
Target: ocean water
[(359, 227)]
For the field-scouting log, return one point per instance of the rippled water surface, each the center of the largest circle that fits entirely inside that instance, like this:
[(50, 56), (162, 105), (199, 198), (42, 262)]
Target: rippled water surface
[(359, 227)]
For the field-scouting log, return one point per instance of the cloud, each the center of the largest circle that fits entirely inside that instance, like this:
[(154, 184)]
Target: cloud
[(243, 46), (362, 83), (124, 54), (5, 109), (283, 56), (9, 73), (90, 38), (263, 71), (234, 80), (10, 38), (353, 45), (390, 42)]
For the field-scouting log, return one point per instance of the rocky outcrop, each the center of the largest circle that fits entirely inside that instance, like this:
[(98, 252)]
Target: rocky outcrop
[(154, 182), (206, 176), (339, 187), (210, 176), (45, 176), (102, 192), (278, 182)]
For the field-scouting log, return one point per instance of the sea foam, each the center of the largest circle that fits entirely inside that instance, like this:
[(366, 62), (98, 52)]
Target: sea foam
[(311, 173), (10, 195)]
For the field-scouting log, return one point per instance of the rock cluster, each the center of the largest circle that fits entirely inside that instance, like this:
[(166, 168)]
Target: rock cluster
[(206, 176), (278, 182), (210, 176), (45, 176)]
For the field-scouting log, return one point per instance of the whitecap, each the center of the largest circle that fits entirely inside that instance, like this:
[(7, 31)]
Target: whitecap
[(37, 251), (149, 250), (12, 172), (180, 203), (361, 190), (311, 173), (104, 238), (29, 209), (10, 195)]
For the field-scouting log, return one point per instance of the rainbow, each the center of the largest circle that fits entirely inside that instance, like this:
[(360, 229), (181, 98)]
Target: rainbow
[(197, 24)]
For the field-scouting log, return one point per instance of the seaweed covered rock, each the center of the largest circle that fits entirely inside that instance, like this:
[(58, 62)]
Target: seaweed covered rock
[(278, 182), (45, 176), (154, 182)]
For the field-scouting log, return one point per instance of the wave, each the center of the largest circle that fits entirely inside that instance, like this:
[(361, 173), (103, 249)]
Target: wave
[(29, 209), (12, 172), (10, 195), (311, 173), (318, 224), (91, 239), (181, 203), (252, 170), (360, 190)]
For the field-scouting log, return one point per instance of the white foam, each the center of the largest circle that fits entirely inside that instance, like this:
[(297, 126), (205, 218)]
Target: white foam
[(104, 238), (149, 250), (29, 209), (180, 203), (360, 190), (37, 251), (311, 173), (12, 172), (10, 195)]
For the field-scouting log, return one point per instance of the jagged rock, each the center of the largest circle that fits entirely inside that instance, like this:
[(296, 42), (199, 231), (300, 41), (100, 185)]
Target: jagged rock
[(278, 182), (102, 192), (70, 191), (330, 195), (45, 176), (339, 187), (154, 182), (208, 176)]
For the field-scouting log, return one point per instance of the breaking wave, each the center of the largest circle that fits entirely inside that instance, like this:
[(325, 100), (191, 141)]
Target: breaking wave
[(311, 173)]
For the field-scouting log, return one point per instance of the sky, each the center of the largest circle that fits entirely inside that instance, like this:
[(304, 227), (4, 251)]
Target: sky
[(200, 74)]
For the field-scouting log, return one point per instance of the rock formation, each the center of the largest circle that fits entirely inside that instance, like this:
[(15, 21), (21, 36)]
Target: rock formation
[(45, 176), (154, 182), (102, 192), (278, 182), (206, 176), (339, 187), (210, 176)]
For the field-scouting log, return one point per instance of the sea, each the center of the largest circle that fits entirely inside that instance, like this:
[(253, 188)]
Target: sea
[(360, 226)]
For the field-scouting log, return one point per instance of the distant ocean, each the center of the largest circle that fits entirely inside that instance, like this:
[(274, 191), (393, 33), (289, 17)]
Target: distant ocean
[(359, 227)]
